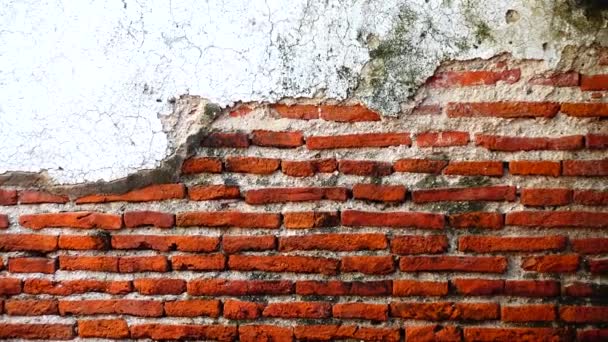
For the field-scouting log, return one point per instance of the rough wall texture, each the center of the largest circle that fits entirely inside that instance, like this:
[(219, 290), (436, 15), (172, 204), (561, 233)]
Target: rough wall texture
[(478, 220)]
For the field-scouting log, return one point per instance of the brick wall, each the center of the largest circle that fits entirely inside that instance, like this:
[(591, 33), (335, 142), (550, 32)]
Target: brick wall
[(482, 216)]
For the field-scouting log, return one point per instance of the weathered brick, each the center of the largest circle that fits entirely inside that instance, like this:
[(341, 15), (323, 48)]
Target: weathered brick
[(483, 193), (405, 288), (88, 263), (532, 288), (528, 313), (505, 143), (133, 307), (133, 264), (30, 307), (379, 193), (103, 328), (598, 266), (584, 314), (156, 332), (32, 265), (8, 197), (10, 286), (256, 333), (303, 112), (283, 263), (545, 197), (159, 192), (483, 220), (311, 219), (135, 219), (493, 244), (79, 286), (213, 192), (417, 244), (597, 141), (166, 243), (159, 286), (354, 218), (36, 331), (37, 197), (585, 109), (590, 245), (592, 335), (535, 168), (420, 165), (585, 168), (83, 242), (212, 262), (442, 139), (557, 219), (241, 310), (580, 289), (277, 139), (515, 334), (235, 244), (453, 263), (564, 79), (355, 113), (365, 168), (279, 195), (341, 288), (448, 79), (590, 197), (28, 243), (503, 109), (255, 165), (201, 165), (308, 168), (439, 311), (4, 221), (594, 82), (428, 333), (81, 219), (478, 287), (345, 332), (427, 109), (219, 140), (333, 242), (225, 287), (228, 219), (298, 310), (551, 263), (373, 312), (474, 168), (193, 308), (358, 140), (368, 264)]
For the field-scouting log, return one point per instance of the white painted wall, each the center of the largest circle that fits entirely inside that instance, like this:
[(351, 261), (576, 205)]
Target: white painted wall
[(82, 83)]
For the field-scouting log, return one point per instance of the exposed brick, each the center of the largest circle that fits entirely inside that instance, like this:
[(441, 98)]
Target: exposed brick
[(585, 109), (166, 243), (308, 168), (594, 82), (219, 140), (597, 141), (584, 314), (504, 143), (557, 219), (103, 328), (532, 288), (590, 197), (442, 139), (30, 307), (354, 218), (545, 197), (228, 219), (528, 313), (235, 244), (478, 287), (345, 332), (133, 307), (429, 333), (88, 263), (260, 166), (590, 245), (585, 168), (8, 197), (36, 331), (484, 193), (277, 139), (158, 192), (311, 219), (453, 264), (379, 193), (155, 331), (213, 192), (427, 109), (515, 334), (535, 168), (592, 335), (358, 140), (483, 220), (474, 168), (503, 109), (159, 286), (303, 112), (133, 264), (212, 262), (341, 288), (256, 333), (4, 221), (564, 79), (225, 287), (417, 244), (493, 244), (355, 113), (10, 286), (241, 310), (368, 264), (79, 286), (373, 312), (439, 311), (83, 242), (580, 289), (81, 219), (279, 195), (135, 219), (404, 288), (598, 266), (193, 308), (32, 265), (37, 197), (298, 310), (333, 242), (551, 263), (420, 165), (448, 79), (283, 263), (201, 165), (365, 168), (28, 242)]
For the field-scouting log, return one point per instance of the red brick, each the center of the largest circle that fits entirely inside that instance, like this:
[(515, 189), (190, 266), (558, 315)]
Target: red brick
[(478, 287), (158, 192), (283, 263), (590, 245), (474, 168), (10, 286), (240, 310), (365, 168), (442, 139), (36, 331), (277, 139), (4, 221), (448, 79), (585, 109), (598, 266), (218, 140), (213, 192), (597, 141), (493, 244), (81, 219), (557, 219), (453, 264), (484, 193), (333, 242), (298, 310), (30, 307), (515, 334), (373, 312), (311, 219), (156, 331), (308, 168), (134, 219), (356, 113), (354, 218), (405, 288), (36, 197), (511, 144), (594, 82), (535, 168), (133, 307), (584, 314), (358, 140), (431, 333), (159, 286), (586, 168), (368, 264), (551, 263), (439, 311), (379, 193), (199, 165), (225, 287), (528, 313), (579, 289), (483, 220), (592, 335), (103, 328), (260, 166), (235, 244), (346, 332), (417, 244), (83, 242), (28, 242), (166, 243), (590, 197), (340, 288), (133, 264), (532, 288), (79, 286), (32, 265), (303, 112), (193, 308), (212, 262), (280, 195), (503, 109), (228, 219), (565, 79), (420, 165), (8, 197), (269, 333), (545, 197)]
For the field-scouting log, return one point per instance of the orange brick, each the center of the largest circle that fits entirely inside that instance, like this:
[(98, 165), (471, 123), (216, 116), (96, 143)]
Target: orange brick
[(201, 165), (311, 219), (333, 242), (283, 263), (213, 192), (36, 331), (82, 219), (225, 287), (212, 262), (308, 168), (493, 244), (279, 195), (453, 264), (31, 307), (135, 219), (379, 193), (585, 109), (193, 308), (36, 197), (356, 113), (474, 168), (420, 165), (228, 219), (405, 288), (103, 328), (159, 286), (28, 242), (373, 312), (133, 264), (358, 140), (277, 139), (32, 265), (192, 332), (416, 244), (260, 166), (528, 313), (354, 218), (557, 219), (535, 168), (442, 139), (368, 264), (235, 244), (298, 310), (450, 79), (545, 197), (503, 109)]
